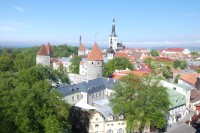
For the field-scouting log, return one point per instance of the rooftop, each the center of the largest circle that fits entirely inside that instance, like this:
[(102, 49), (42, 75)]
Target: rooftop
[(95, 54)]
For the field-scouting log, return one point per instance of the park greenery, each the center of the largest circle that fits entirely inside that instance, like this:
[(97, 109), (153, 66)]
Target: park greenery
[(28, 102), (142, 101), (154, 53), (182, 64), (117, 63), (160, 67), (75, 61)]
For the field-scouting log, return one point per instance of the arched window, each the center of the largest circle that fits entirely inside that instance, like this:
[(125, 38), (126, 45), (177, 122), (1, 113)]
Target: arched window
[(110, 131), (120, 130)]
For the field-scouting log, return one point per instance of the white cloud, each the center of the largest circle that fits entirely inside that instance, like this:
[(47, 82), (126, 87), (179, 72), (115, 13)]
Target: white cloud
[(164, 44), (20, 9), (6, 26)]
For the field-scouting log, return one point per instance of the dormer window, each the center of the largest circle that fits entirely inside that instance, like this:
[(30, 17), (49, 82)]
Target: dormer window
[(121, 117), (110, 118)]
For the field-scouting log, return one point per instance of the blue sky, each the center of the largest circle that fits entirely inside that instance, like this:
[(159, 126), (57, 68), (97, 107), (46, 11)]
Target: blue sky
[(138, 22)]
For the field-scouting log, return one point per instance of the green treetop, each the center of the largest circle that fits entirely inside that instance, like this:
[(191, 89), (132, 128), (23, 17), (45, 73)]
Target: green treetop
[(118, 63), (142, 101)]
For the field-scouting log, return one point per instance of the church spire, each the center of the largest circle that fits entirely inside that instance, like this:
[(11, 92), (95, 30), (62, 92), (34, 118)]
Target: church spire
[(113, 28)]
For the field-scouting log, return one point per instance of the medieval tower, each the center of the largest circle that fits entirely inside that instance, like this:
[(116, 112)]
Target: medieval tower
[(44, 55), (94, 63)]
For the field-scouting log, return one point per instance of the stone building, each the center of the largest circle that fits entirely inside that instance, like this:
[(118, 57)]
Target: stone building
[(44, 55)]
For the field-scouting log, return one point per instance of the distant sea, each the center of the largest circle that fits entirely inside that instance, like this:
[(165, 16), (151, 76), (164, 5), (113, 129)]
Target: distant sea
[(22, 44)]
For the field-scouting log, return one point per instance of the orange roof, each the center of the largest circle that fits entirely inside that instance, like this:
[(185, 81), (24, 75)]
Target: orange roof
[(43, 51), (59, 63), (121, 54), (118, 75), (95, 53), (190, 77), (175, 49), (82, 47), (81, 63), (49, 48)]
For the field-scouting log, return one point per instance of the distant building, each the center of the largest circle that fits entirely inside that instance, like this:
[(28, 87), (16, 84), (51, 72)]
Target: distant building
[(82, 51), (113, 39), (44, 55)]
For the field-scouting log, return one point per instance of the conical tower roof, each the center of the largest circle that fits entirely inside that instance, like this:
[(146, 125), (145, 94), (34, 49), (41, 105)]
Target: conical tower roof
[(95, 54), (43, 51)]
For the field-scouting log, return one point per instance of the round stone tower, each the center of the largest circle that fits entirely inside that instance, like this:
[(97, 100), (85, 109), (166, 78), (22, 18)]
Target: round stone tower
[(94, 63), (43, 57)]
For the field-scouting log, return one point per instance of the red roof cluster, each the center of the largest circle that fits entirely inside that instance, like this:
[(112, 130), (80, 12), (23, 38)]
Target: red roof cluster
[(95, 54), (120, 74), (175, 49)]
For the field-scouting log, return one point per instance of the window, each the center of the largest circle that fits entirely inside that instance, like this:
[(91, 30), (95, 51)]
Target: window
[(98, 63), (97, 119), (120, 130), (72, 98), (108, 124), (96, 94), (93, 95), (92, 63), (81, 96), (96, 132), (174, 88), (96, 125), (77, 96), (99, 93), (110, 131)]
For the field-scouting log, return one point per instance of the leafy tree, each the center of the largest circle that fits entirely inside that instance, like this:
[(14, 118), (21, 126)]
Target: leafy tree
[(6, 62), (148, 60), (29, 104), (75, 61), (176, 78), (194, 54), (142, 101), (67, 50), (154, 53), (117, 63), (180, 64)]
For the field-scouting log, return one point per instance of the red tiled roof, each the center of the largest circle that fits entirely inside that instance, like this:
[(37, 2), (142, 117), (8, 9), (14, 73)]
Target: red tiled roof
[(195, 94), (81, 63), (43, 51), (175, 49), (59, 63), (121, 54), (49, 48), (82, 47), (118, 75), (189, 77), (95, 53), (163, 59)]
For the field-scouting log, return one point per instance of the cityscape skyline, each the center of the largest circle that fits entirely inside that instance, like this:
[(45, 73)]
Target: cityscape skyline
[(138, 23)]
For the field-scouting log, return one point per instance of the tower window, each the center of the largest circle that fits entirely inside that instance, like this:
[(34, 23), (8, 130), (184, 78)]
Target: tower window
[(98, 63), (92, 63)]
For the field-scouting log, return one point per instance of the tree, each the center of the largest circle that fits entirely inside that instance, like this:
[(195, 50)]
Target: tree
[(118, 63), (29, 104), (142, 101), (6, 62), (154, 53), (75, 61), (194, 54), (180, 64)]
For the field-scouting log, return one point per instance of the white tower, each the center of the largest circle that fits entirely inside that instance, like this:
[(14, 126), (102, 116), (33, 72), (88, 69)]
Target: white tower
[(113, 37)]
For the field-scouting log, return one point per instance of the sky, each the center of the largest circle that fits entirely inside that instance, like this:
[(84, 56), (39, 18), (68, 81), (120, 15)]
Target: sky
[(139, 23)]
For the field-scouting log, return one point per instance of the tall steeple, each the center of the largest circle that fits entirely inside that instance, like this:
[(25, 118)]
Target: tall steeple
[(113, 28), (113, 37)]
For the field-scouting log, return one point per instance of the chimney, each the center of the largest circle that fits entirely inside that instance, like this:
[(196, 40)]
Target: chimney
[(197, 84), (80, 41)]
